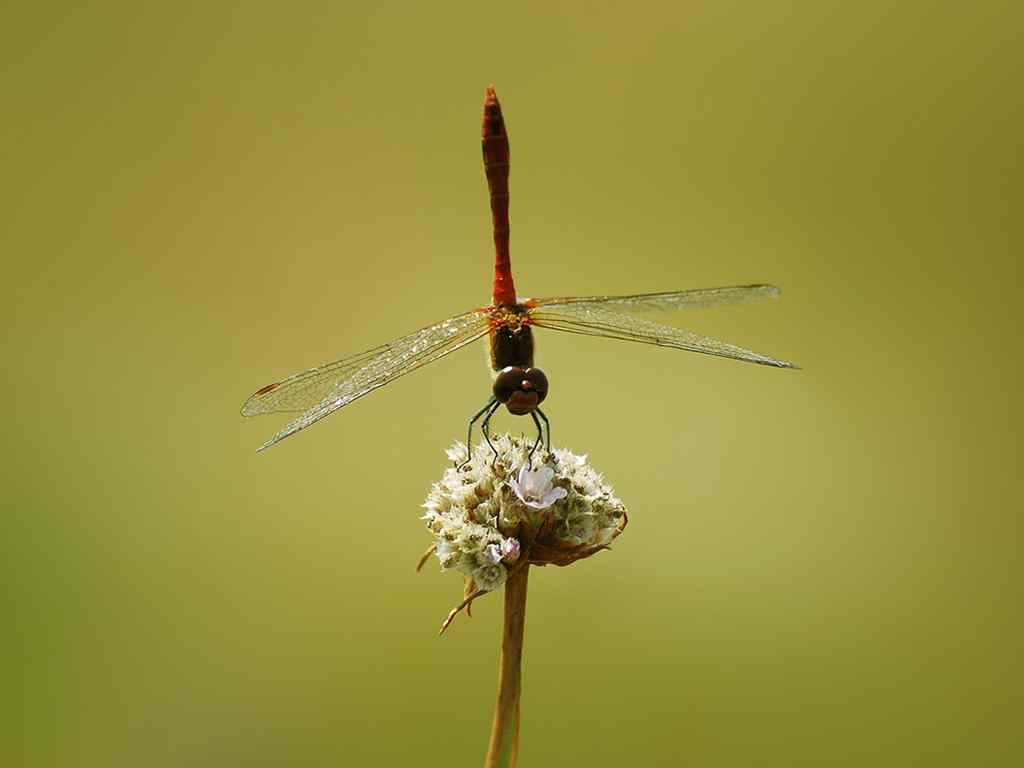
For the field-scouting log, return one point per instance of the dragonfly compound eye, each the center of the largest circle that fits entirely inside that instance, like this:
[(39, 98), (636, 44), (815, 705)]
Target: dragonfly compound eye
[(538, 381), (507, 382)]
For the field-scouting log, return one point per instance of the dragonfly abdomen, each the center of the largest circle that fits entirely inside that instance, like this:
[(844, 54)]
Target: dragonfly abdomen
[(494, 141)]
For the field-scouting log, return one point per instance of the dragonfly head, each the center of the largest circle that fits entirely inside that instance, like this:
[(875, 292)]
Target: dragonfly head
[(520, 389)]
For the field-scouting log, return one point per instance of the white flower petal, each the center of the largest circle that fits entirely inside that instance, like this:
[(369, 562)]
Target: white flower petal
[(534, 487)]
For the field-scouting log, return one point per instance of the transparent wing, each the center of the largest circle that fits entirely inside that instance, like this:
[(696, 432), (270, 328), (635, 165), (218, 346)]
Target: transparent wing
[(593, 319), (668, 300), (321, 391)]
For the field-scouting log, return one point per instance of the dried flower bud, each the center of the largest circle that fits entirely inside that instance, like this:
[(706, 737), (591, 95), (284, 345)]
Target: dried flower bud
[(510, 550)]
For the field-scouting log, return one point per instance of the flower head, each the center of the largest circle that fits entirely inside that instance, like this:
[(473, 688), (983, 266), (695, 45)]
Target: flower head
[(534, 487), (493, 514)]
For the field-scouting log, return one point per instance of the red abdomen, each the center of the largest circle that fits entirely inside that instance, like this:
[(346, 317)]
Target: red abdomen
[(494, 141)]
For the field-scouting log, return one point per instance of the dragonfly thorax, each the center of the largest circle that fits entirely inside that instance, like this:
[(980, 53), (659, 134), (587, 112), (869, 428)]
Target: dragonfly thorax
[(511, 344)]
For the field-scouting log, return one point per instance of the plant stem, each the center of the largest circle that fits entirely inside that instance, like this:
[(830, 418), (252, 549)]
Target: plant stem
[(504, 748)]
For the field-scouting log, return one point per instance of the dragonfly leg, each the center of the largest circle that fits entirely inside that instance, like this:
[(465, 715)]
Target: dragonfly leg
[(486, 429), (540, 434), (546, 424), (469, 433)]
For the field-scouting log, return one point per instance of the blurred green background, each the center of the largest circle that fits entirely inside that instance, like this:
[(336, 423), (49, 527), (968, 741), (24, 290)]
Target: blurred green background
[(822, 567)]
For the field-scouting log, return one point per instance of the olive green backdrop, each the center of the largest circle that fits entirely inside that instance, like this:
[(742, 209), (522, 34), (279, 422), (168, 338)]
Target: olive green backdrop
[(822, 566)]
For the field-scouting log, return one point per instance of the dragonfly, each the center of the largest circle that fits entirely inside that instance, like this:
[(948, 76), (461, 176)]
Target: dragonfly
[(508, 323)]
